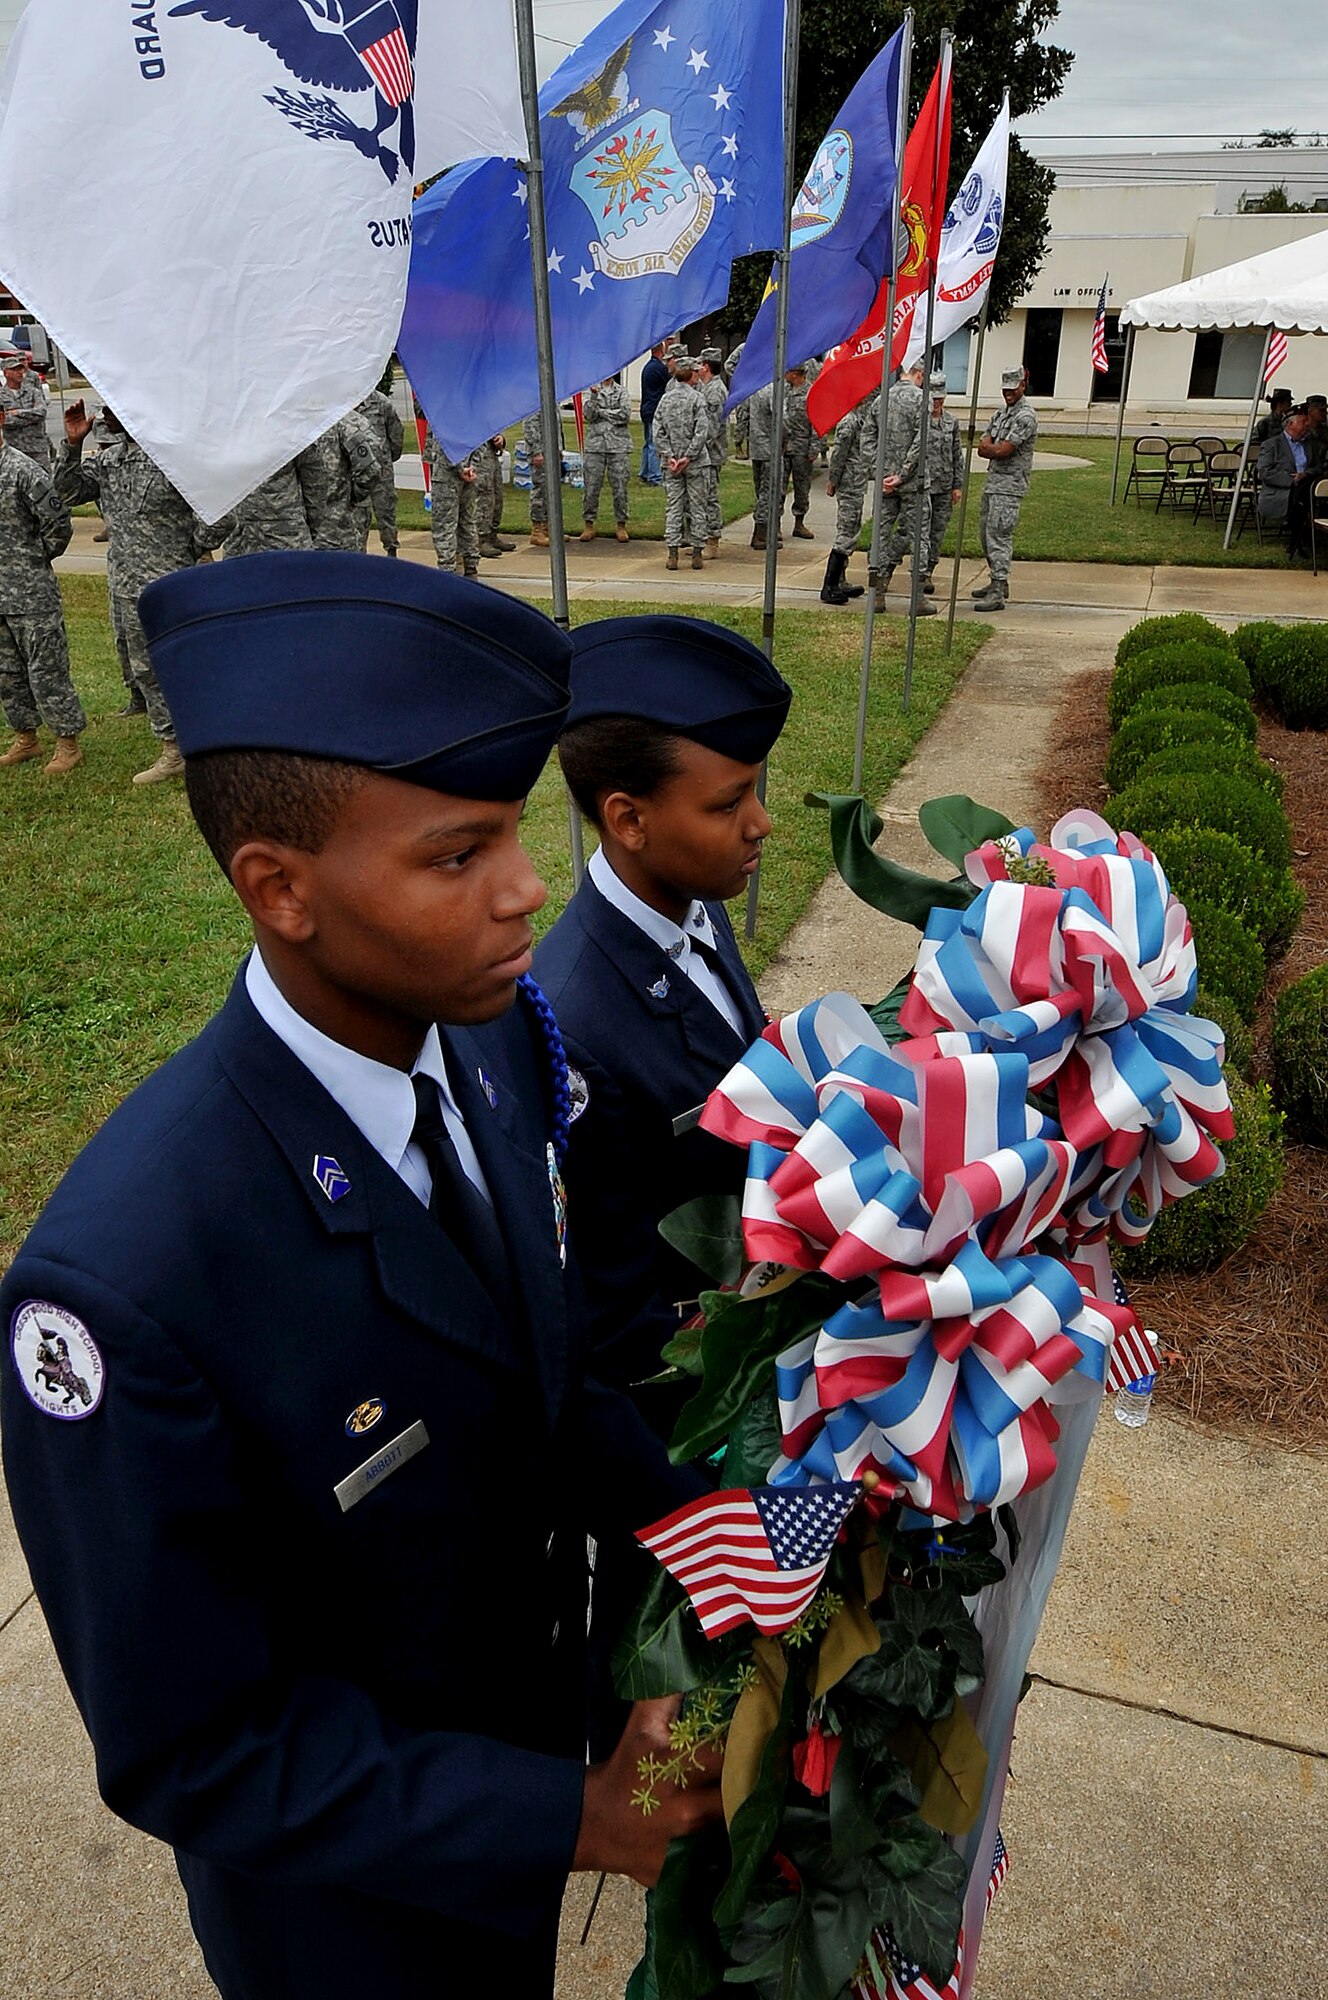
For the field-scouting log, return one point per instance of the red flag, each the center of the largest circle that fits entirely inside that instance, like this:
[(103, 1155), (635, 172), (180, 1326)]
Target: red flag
[(578, 404), (854, 370)]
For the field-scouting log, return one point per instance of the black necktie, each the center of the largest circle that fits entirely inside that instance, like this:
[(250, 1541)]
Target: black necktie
[(455, 1202)]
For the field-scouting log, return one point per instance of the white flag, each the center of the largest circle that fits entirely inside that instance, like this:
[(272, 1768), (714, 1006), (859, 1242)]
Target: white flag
[(970, 239), (208, 203)]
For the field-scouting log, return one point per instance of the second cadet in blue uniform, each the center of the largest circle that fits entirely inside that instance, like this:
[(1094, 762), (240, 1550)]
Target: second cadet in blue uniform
[(297, 1429), (670, 722)]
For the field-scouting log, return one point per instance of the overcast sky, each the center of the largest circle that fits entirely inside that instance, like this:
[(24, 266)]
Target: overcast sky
[(1145, 69)]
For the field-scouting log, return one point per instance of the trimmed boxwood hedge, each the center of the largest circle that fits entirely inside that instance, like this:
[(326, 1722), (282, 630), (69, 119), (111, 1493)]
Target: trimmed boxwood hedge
[(1294, 676), (1198, 698), (1231, 959), (1207, 1227), (1143, 735), (1166, 666), (1209, 866), (1150, 632), (1240, 1042), (1231, 804), (1300, 1055), (1237, 758), (1250, 642)]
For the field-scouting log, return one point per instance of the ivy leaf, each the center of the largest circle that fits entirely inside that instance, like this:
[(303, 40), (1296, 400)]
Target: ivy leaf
[(927, 1641), (924, 1909), (897, 892), (663, 1650), (753, 1443), (708, 1233), (740, 1340), (963, 1558), (956, 826)]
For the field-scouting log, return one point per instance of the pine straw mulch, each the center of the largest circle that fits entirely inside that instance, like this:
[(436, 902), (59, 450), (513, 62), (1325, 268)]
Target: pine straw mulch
[(1251, 1336)]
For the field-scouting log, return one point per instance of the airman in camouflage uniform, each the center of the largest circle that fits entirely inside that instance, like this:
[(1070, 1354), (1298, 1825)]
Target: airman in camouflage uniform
[(490, 498), (682, 439), (343, 467), (607, 411), (849, 476), (279, 514), (1007, 444), (153, 531), (380, 413), (25, 409), (35, 683), (742, 416), (801, 446), (899, 495), (945, 473), (761, 437), (533, 432), (716, 393), (454, 517)]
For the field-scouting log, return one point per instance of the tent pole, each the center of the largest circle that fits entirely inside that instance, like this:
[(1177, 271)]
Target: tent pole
[(1120, 414), (553, 429), (968, 479), (1259, 386), (775, 469), (883, 409)]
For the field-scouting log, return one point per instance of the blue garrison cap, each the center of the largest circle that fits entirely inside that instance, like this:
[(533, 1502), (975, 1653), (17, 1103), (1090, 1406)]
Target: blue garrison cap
[(410, 671), (698, 679)]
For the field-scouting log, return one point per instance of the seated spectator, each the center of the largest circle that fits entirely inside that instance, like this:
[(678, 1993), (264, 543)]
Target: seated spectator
[(1271, 426), (1317, 409), (1288, 468)]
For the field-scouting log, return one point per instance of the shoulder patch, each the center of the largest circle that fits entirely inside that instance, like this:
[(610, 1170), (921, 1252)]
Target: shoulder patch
[(57, 1359), (579, 1092)]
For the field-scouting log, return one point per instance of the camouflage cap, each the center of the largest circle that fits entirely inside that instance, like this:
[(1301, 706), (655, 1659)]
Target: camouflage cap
[(713, 355), (1013, 378), (684, 365), (939, 385), (11, 356)]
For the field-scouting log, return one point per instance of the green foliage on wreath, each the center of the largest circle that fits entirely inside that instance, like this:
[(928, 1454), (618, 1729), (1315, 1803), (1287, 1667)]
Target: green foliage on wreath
[(1201, 1232), (1169, 630), (1206, 866), (1231, 959), (1194, 697), (1211, 799), (1300, 1055), (1240, 1042), (1294, 671), (1147, 731), (1240, 760), (1174, 666)]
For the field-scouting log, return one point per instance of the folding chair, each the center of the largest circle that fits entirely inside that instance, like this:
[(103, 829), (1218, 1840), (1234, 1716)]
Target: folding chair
[(1152, 447), (1318, 520), (1208, 445), (1247, 507), (1223, 468), (1185, 478)]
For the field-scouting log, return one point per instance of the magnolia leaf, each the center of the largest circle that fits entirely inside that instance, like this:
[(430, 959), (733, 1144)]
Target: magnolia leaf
[(663, 1650), (683, 1355), (753, 1443), (897, 892), (754, 1825), (755, 1720), (688, 1961), (740, 1340), (885, 1014), (849, 1637), (949, 1769), (924, 1908), (956, 826), (708, 1233)]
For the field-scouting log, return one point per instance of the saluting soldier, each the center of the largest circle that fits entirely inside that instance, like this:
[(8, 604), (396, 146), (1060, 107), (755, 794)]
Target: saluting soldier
[(1007, 445), (945, 477), (35, 682), (454, 515), (25, 408), (682, 439)]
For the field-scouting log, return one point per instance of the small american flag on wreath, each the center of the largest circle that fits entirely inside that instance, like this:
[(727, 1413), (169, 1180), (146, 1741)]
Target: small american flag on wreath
[(755, 1554)]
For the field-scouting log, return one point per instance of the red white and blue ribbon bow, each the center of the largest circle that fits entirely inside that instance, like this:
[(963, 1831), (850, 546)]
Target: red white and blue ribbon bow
[(1092, 980)]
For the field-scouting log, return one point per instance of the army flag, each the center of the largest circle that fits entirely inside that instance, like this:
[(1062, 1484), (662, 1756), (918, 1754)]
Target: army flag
[(856, 368), (663, 143), (970, 240), (208, 203), (842, 229)]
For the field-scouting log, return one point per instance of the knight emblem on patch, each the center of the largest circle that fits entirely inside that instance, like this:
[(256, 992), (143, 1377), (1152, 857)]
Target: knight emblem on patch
[(578, 1091), (558, 1189), (57, 1359)]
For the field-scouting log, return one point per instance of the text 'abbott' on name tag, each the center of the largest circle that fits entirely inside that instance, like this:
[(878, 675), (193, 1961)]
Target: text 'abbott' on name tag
[(380, 1467)]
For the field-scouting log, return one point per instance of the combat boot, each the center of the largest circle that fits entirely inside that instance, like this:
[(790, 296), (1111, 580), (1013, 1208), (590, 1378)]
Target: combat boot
[(672, 562), (471, 570), (981, 589), (758, 538), (503, 546), (995, 597), (67, 757), (928, 587), (539, 536), (489, 549), (698, 559), (801, 532), (135, 704), (589, 533), (23, 749), (712, 547), (170, 764), (832, 589), (620, 532)]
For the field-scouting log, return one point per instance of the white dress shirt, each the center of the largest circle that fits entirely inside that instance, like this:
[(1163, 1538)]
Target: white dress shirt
[(673, 939), (378, 1100)]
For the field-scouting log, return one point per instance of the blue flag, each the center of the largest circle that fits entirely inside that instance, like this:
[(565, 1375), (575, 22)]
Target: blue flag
[(843, 230), (663, 148)]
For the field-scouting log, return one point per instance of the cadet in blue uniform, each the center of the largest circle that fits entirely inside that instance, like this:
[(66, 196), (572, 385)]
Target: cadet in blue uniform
[(297, 1431), (671, 719)]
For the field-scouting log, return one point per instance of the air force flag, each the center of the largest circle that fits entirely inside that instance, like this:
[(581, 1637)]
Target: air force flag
[(663, 161), (970, 238), (208, 203)]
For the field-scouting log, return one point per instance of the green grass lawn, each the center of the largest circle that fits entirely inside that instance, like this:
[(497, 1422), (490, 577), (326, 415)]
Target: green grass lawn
[(121, 937)]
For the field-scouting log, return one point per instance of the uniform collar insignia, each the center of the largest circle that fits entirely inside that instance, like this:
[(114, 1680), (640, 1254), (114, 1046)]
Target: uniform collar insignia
[(660, 989), (331, 1177)]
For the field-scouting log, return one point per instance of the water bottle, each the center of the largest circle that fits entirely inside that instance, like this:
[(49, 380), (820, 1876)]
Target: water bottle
[(1134, 1403)]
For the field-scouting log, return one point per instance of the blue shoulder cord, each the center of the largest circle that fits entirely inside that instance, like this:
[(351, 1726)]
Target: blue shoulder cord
[(546, 1022)]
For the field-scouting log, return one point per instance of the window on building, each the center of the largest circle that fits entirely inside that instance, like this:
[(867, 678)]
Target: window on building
[(1042, 348), (1226, 365)]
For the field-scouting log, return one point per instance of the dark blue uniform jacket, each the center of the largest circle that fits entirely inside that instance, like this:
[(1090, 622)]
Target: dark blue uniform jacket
[(362, 1731), (648, 1057)]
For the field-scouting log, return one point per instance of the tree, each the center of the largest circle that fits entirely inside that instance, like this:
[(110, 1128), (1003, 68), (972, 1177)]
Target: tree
[(1274, 201), (997, 46)]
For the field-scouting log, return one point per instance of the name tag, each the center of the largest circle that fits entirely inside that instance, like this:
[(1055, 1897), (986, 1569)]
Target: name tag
[(381, 1466)]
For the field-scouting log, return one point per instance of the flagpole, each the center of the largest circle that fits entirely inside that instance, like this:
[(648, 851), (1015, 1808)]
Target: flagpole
[(883, 407), (775, 468), (968, 475), (1261, 383), (553, 429), (924, 458), (1120, 414)]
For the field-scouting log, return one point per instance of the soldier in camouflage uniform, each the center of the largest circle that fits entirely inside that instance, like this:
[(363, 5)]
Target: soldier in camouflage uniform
[(490, 498), (279, 514), (1007, 444), (849, 476), (899, 491), (342, 467), (682, 439), (761, 437), (607, 411), (801, 446), (25, 409), (742, 416), (945, 475), (380, 413), (533, 432), (153, 531), (35, 684), (454, 516), (716, 393)]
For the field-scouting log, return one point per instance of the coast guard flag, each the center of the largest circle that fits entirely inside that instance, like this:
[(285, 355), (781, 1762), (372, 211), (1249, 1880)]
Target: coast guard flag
[(970, 239), (663, 153), (843, 233), (207, 202)]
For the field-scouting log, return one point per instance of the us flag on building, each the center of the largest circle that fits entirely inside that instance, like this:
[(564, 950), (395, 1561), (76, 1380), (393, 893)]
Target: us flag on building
[(1100, 362), (757, 1554), (1277, 354)]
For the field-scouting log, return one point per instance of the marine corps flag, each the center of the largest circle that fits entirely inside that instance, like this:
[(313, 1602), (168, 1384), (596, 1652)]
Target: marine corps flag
[(855, 369)]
